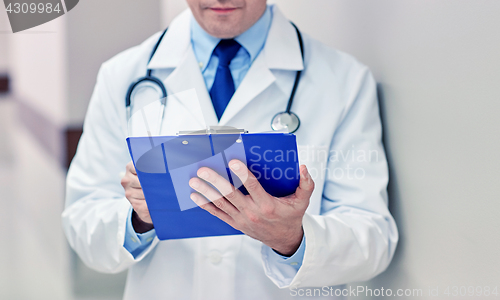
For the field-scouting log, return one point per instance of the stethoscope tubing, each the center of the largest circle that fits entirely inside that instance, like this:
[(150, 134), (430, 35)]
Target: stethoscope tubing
[(159, 83)]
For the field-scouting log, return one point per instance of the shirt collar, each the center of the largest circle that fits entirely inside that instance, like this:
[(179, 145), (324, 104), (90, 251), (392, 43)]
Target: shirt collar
[(252, 40)]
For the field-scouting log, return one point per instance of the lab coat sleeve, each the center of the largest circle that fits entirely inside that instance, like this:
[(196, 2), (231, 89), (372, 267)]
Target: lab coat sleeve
[(354, 237), (136, 243), (283, 269), (95, 215)]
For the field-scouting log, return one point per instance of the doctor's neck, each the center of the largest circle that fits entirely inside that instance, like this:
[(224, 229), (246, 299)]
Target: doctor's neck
[(226, 19)]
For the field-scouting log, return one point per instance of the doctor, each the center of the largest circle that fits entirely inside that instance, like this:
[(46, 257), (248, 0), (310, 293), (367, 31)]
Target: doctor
[(241, 58)]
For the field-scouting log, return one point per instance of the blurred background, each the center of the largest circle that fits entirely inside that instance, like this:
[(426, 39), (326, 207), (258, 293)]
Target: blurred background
[(437, 63)]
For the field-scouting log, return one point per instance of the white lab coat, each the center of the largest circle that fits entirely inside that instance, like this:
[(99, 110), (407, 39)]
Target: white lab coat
[(350, 234)]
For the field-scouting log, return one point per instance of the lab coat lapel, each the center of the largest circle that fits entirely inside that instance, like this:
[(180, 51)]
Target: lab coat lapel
[(188, 76), (176, 52), (258, 78), (281, 52)]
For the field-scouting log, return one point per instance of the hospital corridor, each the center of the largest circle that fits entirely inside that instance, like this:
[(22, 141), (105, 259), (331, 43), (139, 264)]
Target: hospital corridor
[(426, 215), (36, 262), (33, 245)]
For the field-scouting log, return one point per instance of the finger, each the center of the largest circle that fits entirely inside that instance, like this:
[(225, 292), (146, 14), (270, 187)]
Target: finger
[(139, 204), (142, 211), (134, 182), (203, 203), (250, 182), (130, 168), (214, 196), (306, 184), (135, 194), (225, 187)]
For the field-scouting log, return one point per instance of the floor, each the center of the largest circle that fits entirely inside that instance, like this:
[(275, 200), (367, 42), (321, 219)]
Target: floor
[(35, 260)]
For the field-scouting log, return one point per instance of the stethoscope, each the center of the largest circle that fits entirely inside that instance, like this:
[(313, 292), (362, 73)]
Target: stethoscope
[(286, 120)]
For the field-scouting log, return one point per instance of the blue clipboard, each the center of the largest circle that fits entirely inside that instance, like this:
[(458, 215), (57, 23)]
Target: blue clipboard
[(164, 165)]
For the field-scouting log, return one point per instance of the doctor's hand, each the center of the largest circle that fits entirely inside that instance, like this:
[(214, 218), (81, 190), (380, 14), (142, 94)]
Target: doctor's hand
[(141, 220), (277, 222)]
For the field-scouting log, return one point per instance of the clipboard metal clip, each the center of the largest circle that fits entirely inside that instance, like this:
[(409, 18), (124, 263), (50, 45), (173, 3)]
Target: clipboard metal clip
[(214, 130)]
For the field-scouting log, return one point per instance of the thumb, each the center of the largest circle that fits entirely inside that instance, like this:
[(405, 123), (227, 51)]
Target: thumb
[(130, 167), (306, 184)]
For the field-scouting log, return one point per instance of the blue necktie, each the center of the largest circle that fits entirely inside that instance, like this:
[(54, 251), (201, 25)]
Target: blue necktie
[(223, 88)]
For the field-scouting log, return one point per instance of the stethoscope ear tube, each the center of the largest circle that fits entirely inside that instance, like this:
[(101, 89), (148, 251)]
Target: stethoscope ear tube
[(288, 119), (299, 73), (152, 79), (148, 76)]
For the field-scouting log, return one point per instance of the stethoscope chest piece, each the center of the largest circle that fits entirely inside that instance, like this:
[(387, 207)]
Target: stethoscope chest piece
[(285, 120)]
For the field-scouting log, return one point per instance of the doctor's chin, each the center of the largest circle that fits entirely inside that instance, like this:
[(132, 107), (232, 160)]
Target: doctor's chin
[(249, 149)]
